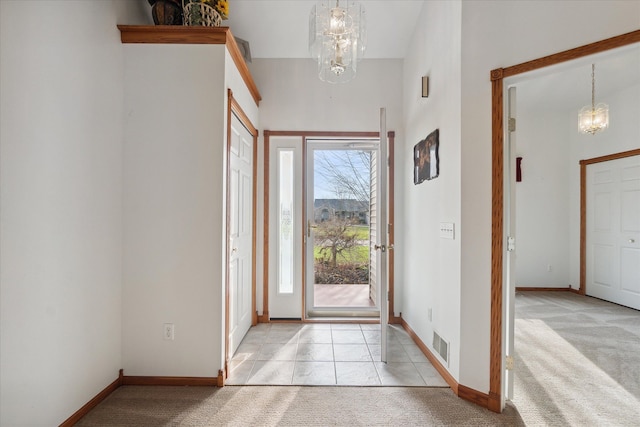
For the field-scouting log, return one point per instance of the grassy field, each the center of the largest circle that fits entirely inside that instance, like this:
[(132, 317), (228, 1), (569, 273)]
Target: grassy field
[(362, 231)]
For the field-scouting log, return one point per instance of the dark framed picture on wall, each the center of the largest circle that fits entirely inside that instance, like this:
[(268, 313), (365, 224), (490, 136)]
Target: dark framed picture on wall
[(426, 158)]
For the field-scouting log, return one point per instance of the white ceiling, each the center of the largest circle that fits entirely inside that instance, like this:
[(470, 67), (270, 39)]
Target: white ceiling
[(280, 29), (568, 85)]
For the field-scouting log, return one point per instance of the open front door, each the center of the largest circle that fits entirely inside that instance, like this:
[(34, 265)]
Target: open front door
[(383, 236)]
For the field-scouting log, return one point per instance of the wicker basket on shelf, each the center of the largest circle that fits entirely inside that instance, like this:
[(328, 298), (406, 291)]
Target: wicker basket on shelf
[(201, 14)]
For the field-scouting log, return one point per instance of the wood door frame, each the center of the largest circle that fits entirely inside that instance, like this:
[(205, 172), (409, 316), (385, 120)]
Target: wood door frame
[(233, 108), (497, 77), (583, 208), (264, 318)]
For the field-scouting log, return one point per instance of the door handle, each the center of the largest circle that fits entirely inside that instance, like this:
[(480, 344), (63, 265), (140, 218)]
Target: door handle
[(309, 227), (382, 248), (632, 240)]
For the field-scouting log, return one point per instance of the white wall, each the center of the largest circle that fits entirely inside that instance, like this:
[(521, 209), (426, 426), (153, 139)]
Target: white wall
[(498, 34), (294, 98), (173, 210), (174, 206), (547, 200), (61, 123), (431, 265), (542, 198)]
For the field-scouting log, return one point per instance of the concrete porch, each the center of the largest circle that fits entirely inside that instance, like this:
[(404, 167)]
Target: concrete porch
[(342, 296)]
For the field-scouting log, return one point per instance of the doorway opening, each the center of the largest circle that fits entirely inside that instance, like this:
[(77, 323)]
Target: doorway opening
[(342, 228), (295, 216), (500, 287)]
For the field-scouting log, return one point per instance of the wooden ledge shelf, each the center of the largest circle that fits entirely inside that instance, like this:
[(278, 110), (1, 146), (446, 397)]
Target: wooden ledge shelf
[(174, 34), (179, 34)]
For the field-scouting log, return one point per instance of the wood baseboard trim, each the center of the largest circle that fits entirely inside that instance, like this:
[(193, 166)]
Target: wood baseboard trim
[(140, 380), (73, 419), (474, 396), (264, 318), (494, 402), (432, 358), (462, 391), (539, 289), (393, 320), (173, 381)]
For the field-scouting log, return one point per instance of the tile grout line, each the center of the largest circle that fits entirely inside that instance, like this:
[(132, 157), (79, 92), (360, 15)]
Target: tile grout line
[(333, 352)]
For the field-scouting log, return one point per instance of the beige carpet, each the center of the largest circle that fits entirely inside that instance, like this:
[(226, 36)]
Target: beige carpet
[(577, 361), (577, 364), (291, 406)]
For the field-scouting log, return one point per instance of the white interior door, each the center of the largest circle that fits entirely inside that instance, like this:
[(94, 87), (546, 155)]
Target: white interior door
[(509, 288), (240, 232), (285, 228), (613, 231)]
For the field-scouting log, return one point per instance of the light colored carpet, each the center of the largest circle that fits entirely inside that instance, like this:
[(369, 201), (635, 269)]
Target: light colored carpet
[(577, 361), (291, 406), (577, 364)]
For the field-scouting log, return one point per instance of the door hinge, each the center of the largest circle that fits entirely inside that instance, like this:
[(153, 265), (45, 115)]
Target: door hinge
[(511, 244), (512, 124), (509, 362)]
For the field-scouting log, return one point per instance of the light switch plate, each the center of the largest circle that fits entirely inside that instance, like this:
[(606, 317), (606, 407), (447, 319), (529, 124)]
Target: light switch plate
[(447, 230)]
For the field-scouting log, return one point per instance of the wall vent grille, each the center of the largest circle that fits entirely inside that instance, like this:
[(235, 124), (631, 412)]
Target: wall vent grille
[(441, 347)]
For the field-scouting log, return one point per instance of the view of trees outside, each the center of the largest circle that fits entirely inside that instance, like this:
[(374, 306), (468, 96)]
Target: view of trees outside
[(341, 206)]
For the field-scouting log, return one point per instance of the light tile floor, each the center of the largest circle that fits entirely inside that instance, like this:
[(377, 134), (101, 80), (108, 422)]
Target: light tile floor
[(329, 354)]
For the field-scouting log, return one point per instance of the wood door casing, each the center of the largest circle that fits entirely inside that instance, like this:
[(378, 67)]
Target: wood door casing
[(497, 76), (268, 163)]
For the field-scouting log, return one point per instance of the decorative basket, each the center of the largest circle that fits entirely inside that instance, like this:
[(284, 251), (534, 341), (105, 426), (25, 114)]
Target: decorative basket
[(201, 14)]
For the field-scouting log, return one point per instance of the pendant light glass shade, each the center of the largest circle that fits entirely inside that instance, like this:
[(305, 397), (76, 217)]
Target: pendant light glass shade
[(337, 39), (593, 118)]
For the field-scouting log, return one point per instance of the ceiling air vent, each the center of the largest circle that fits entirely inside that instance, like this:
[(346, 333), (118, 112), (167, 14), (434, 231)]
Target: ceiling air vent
[(441, 347)]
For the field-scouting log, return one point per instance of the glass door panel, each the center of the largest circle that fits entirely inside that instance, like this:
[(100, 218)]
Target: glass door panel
[(340, 221)]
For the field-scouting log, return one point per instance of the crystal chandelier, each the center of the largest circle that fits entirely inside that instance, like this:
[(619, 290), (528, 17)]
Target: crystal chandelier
[(593, 118), (337, 39)]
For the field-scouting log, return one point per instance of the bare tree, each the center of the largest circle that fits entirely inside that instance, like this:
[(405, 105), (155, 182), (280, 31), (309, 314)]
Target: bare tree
[(347, 173), (334, 238)]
